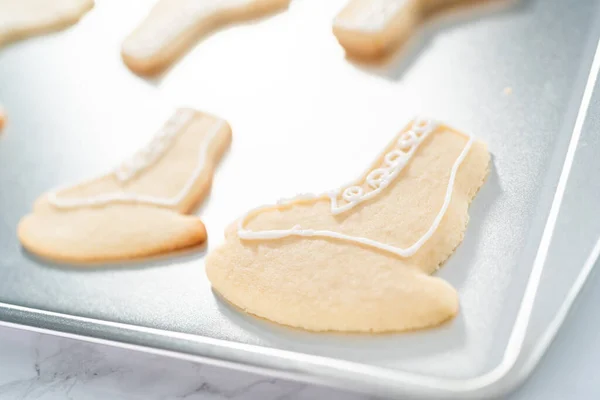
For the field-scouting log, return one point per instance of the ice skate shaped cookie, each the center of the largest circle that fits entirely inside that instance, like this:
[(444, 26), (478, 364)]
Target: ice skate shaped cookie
[(141, 208), (372, 28), (173, 26), (23, 18), (359, 259)]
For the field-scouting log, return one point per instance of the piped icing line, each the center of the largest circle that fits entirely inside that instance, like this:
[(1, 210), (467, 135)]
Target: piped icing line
[(150, 40), (158, 146), (394, 162), (297, 230), (131, 169)]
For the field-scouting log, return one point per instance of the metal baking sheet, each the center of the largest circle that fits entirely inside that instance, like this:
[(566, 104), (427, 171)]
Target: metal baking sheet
[(513, 74), (573, 251)]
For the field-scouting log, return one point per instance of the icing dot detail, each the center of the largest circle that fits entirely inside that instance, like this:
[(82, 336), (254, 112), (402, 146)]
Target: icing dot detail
[(407, 139), (378, 177), (352, 194), (420, 126), (394, 157), (159, 145), (394, 161), (143, 160)]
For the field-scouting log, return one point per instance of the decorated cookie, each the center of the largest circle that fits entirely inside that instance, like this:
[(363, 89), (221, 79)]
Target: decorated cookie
[(24, 18), (140, 208), (371, 28), (359, 259), (173, 26)]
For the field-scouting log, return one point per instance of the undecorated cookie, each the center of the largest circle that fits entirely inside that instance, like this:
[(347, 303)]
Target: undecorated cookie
[(173, 26), (371, 28), (141, 208), (359, 259), (23, 18)]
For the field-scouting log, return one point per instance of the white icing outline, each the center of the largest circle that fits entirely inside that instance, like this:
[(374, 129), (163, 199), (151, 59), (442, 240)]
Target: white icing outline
[(127, 197), (416, 135), (409, 140), (157, 147), (150, 40)]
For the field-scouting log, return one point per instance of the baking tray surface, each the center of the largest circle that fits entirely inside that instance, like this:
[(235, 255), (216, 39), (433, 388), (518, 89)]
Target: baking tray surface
[(513, 75)]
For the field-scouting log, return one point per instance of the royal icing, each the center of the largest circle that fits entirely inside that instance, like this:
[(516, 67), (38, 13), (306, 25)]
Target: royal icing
[(159, 145), (166, 28), (372, 15), (147, 157), (377, 180)]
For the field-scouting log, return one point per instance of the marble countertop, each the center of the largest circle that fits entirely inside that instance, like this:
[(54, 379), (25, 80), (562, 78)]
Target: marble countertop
[(44, 367), (36, 366)]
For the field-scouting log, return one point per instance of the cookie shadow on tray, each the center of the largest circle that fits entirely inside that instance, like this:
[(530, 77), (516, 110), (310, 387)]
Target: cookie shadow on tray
[(399, 61), (365, 346), (459, 266), (194, 253)]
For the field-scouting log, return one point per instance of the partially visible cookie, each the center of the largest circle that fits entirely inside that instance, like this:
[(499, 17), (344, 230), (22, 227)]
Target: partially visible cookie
[(173, 26), (359, 259), (2, 118), (140, 208), (23, 18), (372, 28)]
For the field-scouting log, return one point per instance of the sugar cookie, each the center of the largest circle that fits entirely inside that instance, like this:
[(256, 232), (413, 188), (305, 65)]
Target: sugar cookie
[(2, 118), (138, 209), (173, 26), (358, 259), (24, 18), (371, 28)]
